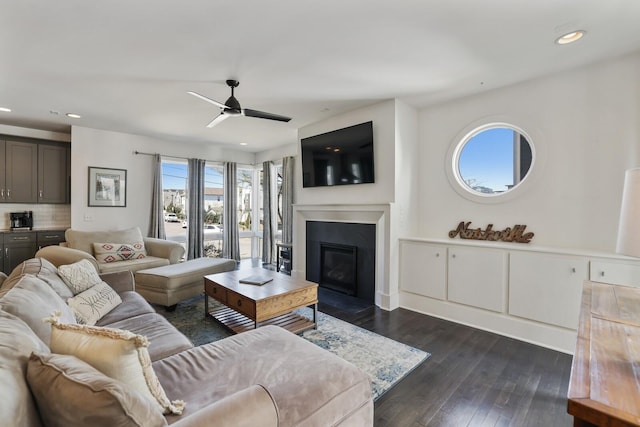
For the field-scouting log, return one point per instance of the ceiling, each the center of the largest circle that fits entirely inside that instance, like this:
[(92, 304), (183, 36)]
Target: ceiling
[(127, 65)]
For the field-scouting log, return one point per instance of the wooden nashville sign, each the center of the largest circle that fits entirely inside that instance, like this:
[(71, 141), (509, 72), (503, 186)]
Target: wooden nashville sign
[(515, 234)]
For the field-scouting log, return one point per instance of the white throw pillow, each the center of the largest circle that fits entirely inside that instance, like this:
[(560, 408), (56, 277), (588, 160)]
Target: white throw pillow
[(119, 354), (79, 276), (89, 306)]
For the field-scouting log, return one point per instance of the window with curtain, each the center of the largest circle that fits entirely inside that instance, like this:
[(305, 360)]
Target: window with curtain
[(250, 212), (246, 223), (214, 208), (174, 190)]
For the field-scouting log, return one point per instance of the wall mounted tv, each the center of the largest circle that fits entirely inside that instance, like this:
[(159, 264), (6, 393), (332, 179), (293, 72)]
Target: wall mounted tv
[(339, 157)]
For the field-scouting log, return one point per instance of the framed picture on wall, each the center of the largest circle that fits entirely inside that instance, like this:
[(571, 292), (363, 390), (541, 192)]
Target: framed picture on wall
[(107, 187)]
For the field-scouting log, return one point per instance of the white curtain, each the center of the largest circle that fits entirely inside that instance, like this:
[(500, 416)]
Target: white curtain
[(156, 226), (231, 238), (268, 226), (195, 214), (287, 200)]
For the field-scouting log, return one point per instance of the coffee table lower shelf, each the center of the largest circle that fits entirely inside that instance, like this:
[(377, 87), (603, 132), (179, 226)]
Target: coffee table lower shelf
[(239, 323)]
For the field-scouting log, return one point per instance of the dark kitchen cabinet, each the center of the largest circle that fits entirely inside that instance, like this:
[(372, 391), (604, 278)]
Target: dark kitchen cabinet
[(34, 171), (53, 176), (18, 246), (20, 172)]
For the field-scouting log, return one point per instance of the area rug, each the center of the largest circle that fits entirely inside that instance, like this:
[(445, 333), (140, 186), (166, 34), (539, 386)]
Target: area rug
[(384, 360)]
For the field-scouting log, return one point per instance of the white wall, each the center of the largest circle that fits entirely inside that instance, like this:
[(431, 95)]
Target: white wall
[(587, 124), (92, 147), (382, 191)]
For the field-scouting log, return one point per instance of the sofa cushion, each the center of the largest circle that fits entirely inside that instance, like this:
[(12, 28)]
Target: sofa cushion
[(279, 361), (113, 252), (31, 299), (132, 305), (79, 276), (42, 269), (84, 240), (17, 341), (70, 392), (121, 355), (163, 337), (133, 264), (91, 305)]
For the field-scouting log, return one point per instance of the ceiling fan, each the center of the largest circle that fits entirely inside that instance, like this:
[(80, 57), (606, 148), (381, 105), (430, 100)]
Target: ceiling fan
[(232, 107)]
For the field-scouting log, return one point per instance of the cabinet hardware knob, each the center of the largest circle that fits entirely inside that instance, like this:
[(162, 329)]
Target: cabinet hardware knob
[(602, 273), (453, 255), (573, 270), (2, 193), (41, 194), (8, 193), (437, 255), (239, 303)]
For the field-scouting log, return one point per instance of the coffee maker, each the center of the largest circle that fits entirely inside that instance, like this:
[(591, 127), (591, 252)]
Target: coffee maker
[(21, 220)]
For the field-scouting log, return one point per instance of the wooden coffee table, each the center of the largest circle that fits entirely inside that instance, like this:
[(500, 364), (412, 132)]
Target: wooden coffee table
[(248, 306)]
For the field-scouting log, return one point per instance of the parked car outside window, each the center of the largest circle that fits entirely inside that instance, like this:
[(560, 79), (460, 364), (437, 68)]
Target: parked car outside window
[(171, 217)]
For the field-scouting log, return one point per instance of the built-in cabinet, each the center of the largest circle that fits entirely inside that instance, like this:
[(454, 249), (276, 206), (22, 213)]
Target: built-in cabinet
[(17, 246), (529, 293), (34, 171), (546, 287), (477, 277)]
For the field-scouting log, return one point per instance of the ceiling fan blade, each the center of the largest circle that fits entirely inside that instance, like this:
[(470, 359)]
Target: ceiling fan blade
[(221, 117), (262, 115), (204, 98)]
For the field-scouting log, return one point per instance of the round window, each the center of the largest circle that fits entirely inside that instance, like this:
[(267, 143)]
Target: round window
[(493, 160)]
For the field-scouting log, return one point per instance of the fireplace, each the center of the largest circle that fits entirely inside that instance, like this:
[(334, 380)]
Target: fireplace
[(342, 257), (338, 267)]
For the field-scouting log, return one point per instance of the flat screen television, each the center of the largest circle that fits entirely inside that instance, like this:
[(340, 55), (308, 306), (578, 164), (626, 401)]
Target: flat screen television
[(339, 157)]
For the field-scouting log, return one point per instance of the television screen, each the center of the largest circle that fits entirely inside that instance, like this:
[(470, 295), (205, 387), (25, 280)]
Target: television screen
[(339, 157)]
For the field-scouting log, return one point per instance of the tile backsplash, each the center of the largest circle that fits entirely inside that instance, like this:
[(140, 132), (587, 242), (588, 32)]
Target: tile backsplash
[(44, 216)]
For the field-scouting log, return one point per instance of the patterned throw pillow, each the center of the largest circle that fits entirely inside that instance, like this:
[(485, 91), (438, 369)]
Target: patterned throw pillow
[(119, 354), (79, 276), (89, 306), (112, 252)]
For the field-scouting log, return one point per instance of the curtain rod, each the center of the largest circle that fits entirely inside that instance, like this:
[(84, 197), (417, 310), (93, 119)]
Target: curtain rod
[(162, 155), (186, 158)]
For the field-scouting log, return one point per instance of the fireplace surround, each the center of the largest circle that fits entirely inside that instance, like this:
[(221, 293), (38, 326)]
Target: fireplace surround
[(386, 291)]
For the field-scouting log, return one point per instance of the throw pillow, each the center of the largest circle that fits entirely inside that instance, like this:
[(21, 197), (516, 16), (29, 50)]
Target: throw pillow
[(42, 269), (91, 305), (112, 252), (79, 276), (31, 299), (70, 392), (17, 341), (121, 355)]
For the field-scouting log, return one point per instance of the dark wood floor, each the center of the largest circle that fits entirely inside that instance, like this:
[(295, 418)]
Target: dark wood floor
[(473, 378)]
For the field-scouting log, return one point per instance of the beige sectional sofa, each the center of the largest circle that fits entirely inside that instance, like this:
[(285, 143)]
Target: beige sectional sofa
[(267, 377), (82, 244)]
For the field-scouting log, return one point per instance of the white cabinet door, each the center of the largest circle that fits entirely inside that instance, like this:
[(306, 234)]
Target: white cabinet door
[(546, 287), (478, 277), (423, 269), (626, 273)]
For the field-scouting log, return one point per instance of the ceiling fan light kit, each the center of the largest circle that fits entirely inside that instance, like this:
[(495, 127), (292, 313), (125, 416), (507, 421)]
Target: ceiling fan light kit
[(232, 107)]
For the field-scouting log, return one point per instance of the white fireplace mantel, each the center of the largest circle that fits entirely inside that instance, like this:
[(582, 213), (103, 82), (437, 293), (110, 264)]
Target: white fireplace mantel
[(377, 214)]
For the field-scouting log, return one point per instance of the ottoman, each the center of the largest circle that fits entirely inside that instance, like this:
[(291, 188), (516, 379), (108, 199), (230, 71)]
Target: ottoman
[(170, 284)]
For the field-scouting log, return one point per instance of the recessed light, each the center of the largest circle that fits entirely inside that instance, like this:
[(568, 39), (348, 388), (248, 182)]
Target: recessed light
[(570, 37), (243, 143), (74, 115), (5, 109)]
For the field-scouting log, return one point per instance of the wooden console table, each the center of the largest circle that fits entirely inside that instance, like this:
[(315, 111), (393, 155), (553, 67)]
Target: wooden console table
[(604, 389)]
